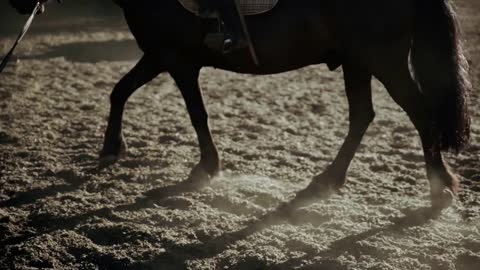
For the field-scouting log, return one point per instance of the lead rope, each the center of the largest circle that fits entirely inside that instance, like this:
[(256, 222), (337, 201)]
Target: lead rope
[(20, 36)]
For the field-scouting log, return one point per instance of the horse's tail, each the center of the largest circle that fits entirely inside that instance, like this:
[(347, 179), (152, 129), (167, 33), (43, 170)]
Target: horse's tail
[(441, 69)]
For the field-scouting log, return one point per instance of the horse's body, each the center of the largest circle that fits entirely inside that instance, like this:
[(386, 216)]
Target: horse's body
[(293, 35), (368, 38)]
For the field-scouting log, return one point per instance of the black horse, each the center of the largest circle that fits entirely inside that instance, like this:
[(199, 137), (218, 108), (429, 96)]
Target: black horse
[(367, 38)]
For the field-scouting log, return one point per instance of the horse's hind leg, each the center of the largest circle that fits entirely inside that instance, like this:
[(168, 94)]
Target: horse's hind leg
[(359, 95), (186, 78), (399, 83), (144, 71)]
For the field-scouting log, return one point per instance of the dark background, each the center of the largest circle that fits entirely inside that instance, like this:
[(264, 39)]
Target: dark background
[(67, 16)]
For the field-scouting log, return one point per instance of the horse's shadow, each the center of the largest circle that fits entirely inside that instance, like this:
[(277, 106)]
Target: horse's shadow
[(177, 255), (45, 223), (72, 180), (412, 218)]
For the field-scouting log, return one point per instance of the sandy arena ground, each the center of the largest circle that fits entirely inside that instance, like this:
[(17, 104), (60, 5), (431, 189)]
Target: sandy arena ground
[(57, 210)]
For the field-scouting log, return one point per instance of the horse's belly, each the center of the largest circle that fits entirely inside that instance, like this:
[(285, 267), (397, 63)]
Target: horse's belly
[(284, 63), (281, 56), (284, 42)]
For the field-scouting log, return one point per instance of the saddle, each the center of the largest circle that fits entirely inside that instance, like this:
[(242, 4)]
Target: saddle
[(247, 7)]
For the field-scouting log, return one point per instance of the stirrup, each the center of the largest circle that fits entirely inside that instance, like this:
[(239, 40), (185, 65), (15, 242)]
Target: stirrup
[(230, 45)]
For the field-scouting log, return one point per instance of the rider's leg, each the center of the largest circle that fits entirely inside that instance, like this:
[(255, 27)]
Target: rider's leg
[(234, 32)]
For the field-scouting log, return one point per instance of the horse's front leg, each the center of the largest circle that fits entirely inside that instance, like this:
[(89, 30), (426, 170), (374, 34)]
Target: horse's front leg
[(359, 95), (186, 78), (145, 70)]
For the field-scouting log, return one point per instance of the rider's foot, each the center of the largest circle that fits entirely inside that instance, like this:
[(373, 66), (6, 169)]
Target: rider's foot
[(232, 43)]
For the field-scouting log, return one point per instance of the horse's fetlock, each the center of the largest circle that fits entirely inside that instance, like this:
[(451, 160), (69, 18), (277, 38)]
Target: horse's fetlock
[(367, 118), (211, 164)]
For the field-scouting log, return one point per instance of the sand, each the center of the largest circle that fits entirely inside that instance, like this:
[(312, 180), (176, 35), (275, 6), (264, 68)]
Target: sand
[(57, 210)]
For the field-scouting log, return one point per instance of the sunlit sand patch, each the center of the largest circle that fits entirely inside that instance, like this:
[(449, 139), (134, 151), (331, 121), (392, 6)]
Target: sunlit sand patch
[(246, 194)]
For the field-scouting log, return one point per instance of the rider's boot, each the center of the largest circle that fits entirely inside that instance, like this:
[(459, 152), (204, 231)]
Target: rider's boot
[(234, 32)]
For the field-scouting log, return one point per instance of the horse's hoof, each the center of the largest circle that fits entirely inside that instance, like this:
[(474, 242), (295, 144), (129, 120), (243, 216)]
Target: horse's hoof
[(285, 210), (320, 188), (108, 160), (443, 199), (199, 177), (315, 190), (323, 184)]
